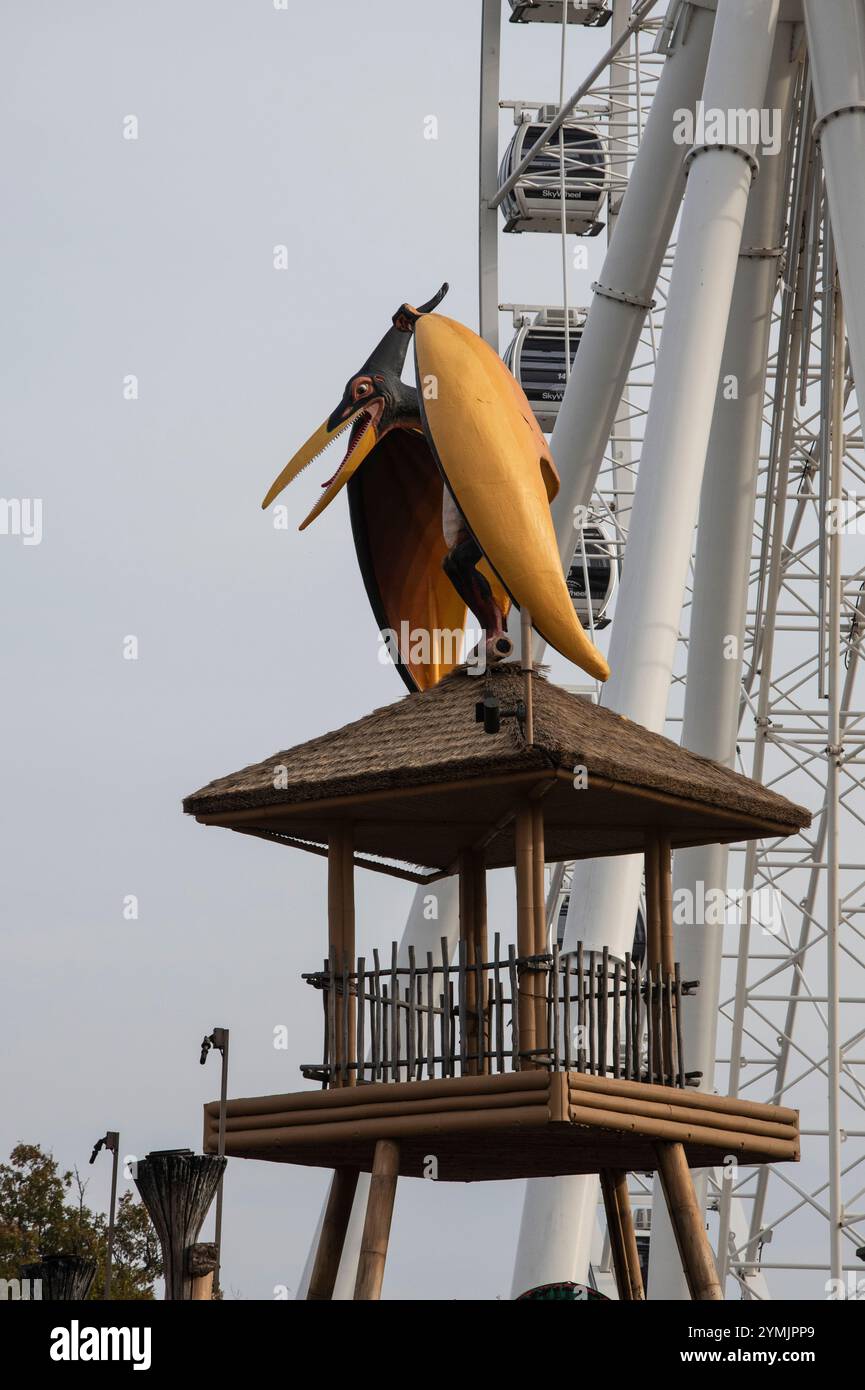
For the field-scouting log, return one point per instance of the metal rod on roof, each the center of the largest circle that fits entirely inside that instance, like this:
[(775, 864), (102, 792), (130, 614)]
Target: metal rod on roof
[(526, 648)]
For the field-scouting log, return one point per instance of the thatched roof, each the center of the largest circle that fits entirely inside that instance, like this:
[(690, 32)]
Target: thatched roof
[(420, 779)]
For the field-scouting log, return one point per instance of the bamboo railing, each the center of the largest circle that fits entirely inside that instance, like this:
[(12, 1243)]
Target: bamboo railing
[(437, 1018)]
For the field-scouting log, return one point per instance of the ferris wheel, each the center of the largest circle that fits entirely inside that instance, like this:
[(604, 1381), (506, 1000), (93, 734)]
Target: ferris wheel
[(744, 544)]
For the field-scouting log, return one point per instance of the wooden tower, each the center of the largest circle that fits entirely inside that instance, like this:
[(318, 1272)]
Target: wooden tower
[(506, 1062)]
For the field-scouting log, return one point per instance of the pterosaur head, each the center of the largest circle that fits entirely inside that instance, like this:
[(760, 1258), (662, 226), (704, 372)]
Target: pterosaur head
[(374, 401)]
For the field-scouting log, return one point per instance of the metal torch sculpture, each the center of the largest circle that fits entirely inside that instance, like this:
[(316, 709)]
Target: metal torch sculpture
[(449, 492)]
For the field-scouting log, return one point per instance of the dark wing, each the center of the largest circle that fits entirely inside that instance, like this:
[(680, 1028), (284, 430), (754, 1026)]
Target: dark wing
[(395, 502)]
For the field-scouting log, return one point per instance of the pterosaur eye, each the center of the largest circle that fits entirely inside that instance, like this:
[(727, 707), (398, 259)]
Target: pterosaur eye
[(362, 388)]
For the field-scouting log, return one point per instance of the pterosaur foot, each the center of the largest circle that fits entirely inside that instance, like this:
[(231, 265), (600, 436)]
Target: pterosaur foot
[(460, 566)]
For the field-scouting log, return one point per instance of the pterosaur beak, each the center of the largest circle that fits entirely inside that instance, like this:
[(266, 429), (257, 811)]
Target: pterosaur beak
[(362, 440), (310, 450)]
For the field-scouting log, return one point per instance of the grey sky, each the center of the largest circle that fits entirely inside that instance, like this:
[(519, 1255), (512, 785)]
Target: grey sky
[(154, 257)]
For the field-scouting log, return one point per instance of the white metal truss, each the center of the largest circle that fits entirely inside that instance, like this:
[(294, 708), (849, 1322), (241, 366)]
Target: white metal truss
[(779, 1009)]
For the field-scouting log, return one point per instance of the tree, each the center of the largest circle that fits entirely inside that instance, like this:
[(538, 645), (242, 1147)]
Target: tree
[(37, 1218)]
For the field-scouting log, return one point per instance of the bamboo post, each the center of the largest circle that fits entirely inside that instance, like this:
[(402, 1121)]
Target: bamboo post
[(680, 1054), (378, 1073), (638, 1022), (629, 1236), (201, 1265), (614, 1230), (394, 1012), (566, 1011), (698, 1261), (581, 1011), (513, 980), (603, 1001), (523, 833), (360, 1005), (376, 1226), (468, 955), (617, 1041), (340, 920), (411, 1017), (479, 902), (539, 912), (431, 1018), (592, 982), (665, 896), (202, 1288), (653, 902), (655, 952), (665, 902), (497, 1035), (332, 1236), (445, 1005), (348, 949), (623, 1238)]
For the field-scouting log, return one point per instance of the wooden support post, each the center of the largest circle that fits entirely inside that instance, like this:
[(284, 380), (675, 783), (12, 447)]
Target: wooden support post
[(654, 934), (479, 892), (653, 903), (623, 1238), (376, 1226), (202, 1288), (665, 895), (523, 830), (468, 934), (348, 940), (340, 918), (668, 965), (695, 1252), (539, 908), (332, 1236), (201, 1261)]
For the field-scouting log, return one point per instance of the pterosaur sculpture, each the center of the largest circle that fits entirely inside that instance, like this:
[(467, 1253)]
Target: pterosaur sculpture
[(449, 491)]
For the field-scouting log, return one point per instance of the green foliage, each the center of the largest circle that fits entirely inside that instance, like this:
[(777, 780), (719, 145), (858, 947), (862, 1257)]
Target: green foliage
[(38, 1218)]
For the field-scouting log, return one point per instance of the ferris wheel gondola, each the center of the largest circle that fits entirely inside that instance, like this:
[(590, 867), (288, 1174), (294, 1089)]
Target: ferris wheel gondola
[(595, 560), (593, 13), (537, 357), (534, 204)]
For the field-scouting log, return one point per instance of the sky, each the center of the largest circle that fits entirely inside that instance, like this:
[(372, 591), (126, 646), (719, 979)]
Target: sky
[(157, 372)]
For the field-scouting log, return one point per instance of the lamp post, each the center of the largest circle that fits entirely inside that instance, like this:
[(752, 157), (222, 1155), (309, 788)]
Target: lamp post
[(111, 1142), (218, 1039)]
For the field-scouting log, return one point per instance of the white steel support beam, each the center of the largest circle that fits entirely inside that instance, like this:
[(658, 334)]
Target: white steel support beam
[(605, 894), (646, 624), (626, 284), (720, 602)]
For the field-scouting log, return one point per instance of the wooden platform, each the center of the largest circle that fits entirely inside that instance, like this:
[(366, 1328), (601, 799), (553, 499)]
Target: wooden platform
[(513, 1125)]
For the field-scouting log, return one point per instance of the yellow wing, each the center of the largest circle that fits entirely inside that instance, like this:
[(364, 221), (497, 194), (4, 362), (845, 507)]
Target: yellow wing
[(498, 466)]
